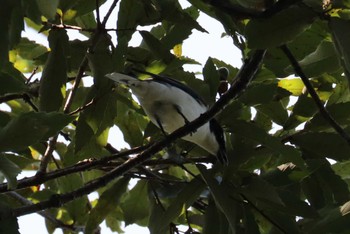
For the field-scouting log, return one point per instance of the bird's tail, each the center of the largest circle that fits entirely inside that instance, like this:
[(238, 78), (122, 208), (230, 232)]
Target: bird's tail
[(123, 79)]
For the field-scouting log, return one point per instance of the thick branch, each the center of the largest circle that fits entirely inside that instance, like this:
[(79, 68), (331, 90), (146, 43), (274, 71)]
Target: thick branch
[(246, 74), (79, 167), (323, 111)]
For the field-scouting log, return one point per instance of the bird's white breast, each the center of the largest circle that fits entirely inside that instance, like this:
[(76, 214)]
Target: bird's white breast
[(158, 99)]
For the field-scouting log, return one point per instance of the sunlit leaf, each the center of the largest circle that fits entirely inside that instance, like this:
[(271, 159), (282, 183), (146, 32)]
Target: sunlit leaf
[(295, 86)]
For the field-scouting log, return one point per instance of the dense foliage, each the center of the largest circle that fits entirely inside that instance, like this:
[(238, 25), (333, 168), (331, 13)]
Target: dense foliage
[(287, 132)]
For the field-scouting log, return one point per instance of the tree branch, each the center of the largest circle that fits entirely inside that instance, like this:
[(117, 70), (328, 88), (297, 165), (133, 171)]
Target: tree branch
[(46, 214), (243, 78), (47, 155), (323, 111), (81, 166)]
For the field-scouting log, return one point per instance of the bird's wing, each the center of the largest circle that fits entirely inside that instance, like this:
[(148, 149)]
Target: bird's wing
[(177, 84)]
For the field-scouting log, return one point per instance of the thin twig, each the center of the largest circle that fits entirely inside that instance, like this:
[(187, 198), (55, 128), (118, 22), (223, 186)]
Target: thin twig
[(14, 96), (81, 108), (11, 96), (243, 78), (32, 75), (46, 214), (323, 111), (110, 10), (98, 19), (47, 156)]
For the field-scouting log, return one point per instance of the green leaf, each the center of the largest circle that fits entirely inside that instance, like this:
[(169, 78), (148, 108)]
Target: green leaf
[(9, 170), (16, 24), (297, 207), (341, 36), (8, 222), (278, 29), (21, 161), (136, 205), (78, 208), (156, 46), (10, 28), (131, 124), (52, 85), (276, 111), (86, 6), (215, 220), (10, 84), (30, 128), (339, 111), (221, 196), (131, 14), (342, 169), (258, 94), (29, 49), (261, 190), (332, 221), (323, 144), (305, 106), (211, 78), (323, 60), (183, 200), (295, 85), (252, 132), (107, 203), (48, 8)]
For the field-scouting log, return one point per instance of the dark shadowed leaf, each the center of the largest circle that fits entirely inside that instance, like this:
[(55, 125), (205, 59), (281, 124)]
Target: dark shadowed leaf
[(10, 84), (8, 223), (183, 200), (340, 112), (341, 36), (9, 170), (30, 128), (324, 144), (252, 132), (211, 78), (52, 86), (48, 9), (156, 46), (278, 29), (107, 203), (10, 28), (275, 111), (331, 221), (136, 205), (221, 196), (323, 60)]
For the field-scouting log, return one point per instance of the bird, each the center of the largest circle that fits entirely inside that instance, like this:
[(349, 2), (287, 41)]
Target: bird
[(170, 104)]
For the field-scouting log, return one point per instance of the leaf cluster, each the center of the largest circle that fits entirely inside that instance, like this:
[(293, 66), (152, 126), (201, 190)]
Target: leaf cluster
[(288, 164)]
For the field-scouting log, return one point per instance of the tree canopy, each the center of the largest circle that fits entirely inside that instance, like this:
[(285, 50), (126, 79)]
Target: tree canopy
[(285, 113)]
